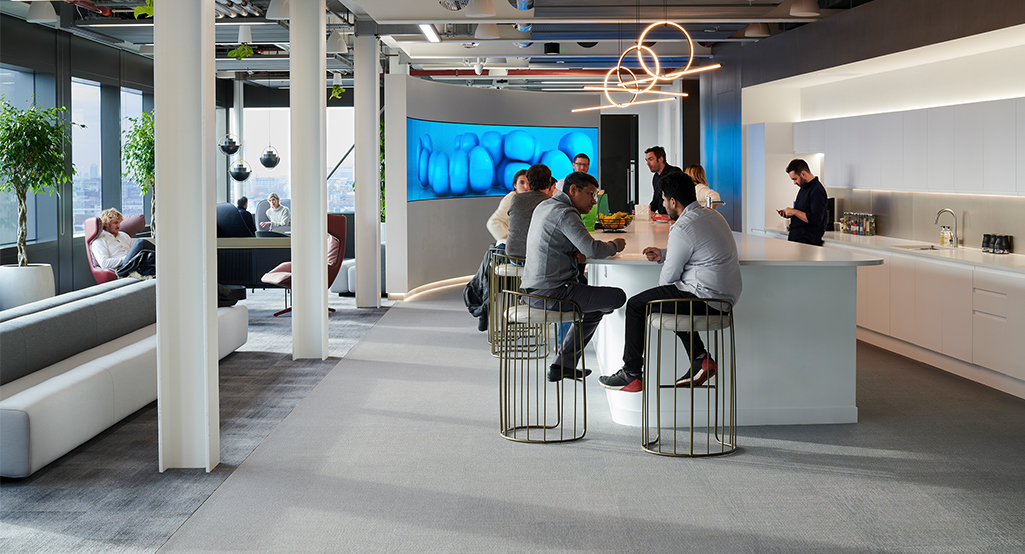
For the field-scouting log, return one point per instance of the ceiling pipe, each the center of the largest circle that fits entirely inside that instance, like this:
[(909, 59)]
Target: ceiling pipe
[(222, 11), (90, 6)]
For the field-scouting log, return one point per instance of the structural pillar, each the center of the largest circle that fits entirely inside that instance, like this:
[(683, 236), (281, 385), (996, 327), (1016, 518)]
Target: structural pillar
[(366, 99), (239, 130), (308, 101), (188, 418)]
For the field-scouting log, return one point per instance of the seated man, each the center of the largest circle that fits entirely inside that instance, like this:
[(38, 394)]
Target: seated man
[(521, 209), (556, 242), (243, 205), (498, 223), (114, 249), (278, 214), (700, 261)]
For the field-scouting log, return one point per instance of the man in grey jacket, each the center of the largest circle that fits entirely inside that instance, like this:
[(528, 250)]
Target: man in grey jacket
[(557, 242)]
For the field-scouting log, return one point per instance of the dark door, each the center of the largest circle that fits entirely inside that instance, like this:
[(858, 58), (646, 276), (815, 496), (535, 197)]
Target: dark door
[(619, 161)]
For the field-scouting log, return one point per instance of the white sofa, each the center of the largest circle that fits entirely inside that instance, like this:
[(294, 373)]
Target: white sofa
[(75, 364)]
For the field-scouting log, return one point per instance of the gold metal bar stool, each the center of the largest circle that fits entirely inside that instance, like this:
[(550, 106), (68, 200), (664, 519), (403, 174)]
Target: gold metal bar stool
[(532, 409), (710, 429), (504, 274)]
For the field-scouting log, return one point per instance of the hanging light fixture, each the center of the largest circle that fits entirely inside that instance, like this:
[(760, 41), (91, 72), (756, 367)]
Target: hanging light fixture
[(229, 144), (805, 8), (245, 34), (240, 170), (756, 30), (270, 158), (42, 12), (336, 43), (336, 81), (277, 10), (481, 8), (485, 31)]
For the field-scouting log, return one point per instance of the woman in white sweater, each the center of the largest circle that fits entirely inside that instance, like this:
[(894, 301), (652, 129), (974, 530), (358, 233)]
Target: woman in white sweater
[(701, 188), (498, 223), (279, 216)]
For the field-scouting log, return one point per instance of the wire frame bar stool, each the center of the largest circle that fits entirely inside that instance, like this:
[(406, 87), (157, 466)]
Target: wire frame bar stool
[(532, 409), (504, 274), (711, 427)]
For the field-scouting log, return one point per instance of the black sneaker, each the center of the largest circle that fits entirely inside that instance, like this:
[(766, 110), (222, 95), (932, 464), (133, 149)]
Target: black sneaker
[(702, 370), (621, 381), (556, 374)]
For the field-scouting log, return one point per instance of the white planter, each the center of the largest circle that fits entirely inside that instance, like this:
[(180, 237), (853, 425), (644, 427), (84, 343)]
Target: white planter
[(21, 285)]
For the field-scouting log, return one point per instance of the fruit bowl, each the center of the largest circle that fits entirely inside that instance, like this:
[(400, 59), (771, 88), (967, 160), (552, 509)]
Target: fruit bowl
[(615, 222)]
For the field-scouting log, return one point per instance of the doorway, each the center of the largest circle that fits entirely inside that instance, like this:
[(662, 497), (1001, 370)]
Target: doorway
[(619, 151)]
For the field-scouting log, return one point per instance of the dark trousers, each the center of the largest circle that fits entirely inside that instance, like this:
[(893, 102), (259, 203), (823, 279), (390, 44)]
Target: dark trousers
[(594, 302), (139, 245), (633, 352)]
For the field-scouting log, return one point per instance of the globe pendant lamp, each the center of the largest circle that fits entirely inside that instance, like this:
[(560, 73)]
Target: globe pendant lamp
[(229, 144), (481, 8), (240, 170), (270, 158)]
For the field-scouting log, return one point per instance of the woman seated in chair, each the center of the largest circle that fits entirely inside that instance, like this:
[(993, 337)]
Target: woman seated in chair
[(114, 249), (279, 216)]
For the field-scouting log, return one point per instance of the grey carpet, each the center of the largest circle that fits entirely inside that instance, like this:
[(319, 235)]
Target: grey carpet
[(107, 495), (397, 450)]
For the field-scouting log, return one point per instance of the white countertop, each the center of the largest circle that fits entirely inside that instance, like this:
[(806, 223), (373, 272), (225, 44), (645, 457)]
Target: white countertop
[(963, 255), (753, 249)]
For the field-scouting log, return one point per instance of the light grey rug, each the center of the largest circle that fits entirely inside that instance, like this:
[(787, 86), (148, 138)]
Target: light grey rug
[(397, 450), (107, 495)]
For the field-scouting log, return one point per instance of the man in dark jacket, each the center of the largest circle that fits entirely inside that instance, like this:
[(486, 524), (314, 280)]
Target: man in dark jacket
[(243, 205), (808, 216)]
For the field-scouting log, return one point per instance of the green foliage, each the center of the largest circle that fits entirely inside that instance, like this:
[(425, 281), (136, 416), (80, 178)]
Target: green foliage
[(139, 153), (336, 92), (144, 11), (242, 52), (32, 148), (32, 157)]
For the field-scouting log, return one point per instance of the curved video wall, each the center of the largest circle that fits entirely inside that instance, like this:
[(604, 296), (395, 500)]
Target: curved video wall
[(459, 159)]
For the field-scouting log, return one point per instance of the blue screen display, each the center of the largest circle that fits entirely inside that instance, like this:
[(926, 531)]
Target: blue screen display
[(447, 160)]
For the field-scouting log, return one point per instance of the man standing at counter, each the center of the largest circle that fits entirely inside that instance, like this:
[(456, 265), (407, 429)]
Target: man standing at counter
[(556, 242), (655, 157), (700, 261), (808, 216)]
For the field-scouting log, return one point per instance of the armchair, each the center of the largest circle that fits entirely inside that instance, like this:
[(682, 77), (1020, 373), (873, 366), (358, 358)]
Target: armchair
[(282, 274), (131, 225)]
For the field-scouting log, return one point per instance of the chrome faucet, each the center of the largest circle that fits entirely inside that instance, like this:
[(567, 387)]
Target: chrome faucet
[(953, 215), (712, 204)]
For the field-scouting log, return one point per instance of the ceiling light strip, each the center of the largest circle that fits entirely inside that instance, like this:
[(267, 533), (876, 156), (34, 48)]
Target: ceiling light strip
[(630, 91), (610, 106)]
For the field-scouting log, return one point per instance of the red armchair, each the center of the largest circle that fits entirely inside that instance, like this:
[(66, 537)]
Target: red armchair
[(282, 274), (131, 225)]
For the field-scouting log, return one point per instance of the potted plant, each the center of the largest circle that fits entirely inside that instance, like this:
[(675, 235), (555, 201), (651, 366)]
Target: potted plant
[(140, 163), (32, 159)]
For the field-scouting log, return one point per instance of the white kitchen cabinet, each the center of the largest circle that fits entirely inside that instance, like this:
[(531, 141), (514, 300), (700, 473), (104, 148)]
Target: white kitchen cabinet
[(999, 146), (916, 152), (832, 147), (1020, 146), (873, 290), (902, 297), (956, 302), (929, 302), (889, 150), (998, 322), (940, 148), (1016, 326), (808, 137), (969, 149), (853, 151)]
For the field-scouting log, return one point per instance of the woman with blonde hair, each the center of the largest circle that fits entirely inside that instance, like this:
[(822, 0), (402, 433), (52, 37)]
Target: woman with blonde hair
[(701, 188)]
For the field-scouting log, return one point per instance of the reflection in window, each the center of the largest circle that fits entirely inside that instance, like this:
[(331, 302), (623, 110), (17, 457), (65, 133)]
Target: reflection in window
[(270, 127), (17, 88), (87, 200), (131, 195)]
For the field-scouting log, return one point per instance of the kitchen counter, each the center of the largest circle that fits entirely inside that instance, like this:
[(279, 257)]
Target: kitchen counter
[(795, 327), (964, 255)]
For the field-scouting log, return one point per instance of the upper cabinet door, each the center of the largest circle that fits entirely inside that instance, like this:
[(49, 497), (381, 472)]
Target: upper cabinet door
[(832, 164), (999, 148), (890, 150), (1020, 109), (916, 150), (940, 149), (969, 147)]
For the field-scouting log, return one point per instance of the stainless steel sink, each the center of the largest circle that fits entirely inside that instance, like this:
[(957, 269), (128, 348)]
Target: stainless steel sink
[(917, 246)]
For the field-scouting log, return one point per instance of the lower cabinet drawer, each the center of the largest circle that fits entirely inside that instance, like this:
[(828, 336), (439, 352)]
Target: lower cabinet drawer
[(989, 342)]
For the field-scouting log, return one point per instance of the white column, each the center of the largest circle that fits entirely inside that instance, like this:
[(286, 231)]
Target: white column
[(366, 100), (308, 101), (187, 400), (238, 187)]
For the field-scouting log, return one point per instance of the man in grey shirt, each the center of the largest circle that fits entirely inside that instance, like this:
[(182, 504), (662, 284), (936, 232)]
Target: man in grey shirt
[(521, 210), (700, 261), (557, 242)]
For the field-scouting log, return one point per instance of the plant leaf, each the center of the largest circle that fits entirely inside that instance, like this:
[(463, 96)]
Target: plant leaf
[(144, 11)]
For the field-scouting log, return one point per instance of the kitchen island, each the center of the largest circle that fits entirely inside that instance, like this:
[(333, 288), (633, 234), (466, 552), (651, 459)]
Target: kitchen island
[(795, 327)]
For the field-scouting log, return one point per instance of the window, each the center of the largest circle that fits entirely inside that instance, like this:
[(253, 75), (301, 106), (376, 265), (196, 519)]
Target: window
[(131, 195), (87, 199), (261, 124), (17, 87)]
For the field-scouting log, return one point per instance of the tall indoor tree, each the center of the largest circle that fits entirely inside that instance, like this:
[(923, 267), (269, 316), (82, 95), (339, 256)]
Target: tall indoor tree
[(33, 147), (139, 159)]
